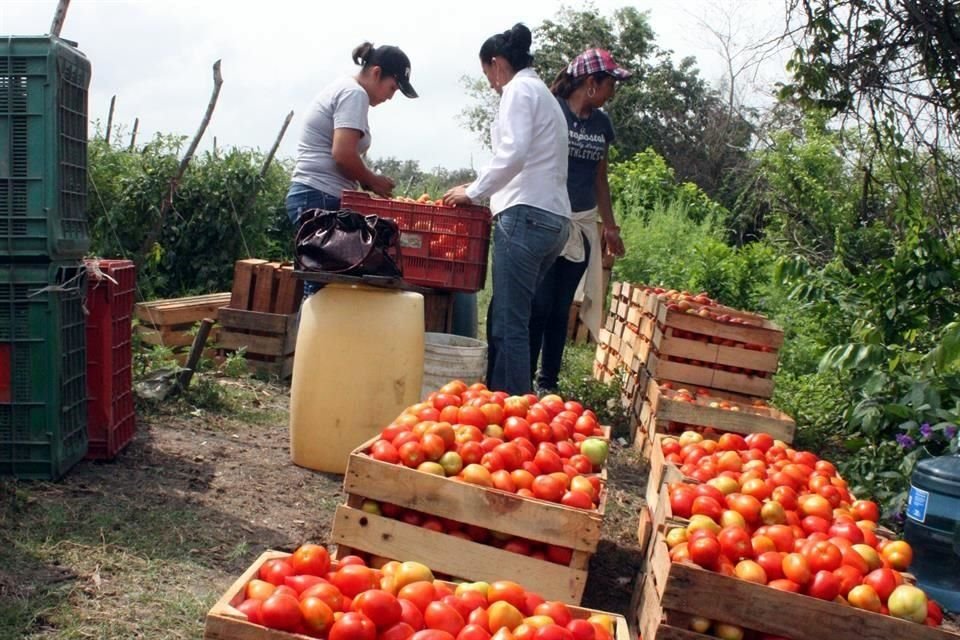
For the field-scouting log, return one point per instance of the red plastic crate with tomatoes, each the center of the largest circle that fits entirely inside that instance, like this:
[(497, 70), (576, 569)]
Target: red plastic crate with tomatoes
[(442, 247)]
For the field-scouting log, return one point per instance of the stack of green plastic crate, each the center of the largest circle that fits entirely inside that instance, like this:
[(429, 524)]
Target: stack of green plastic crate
[(43, 236)]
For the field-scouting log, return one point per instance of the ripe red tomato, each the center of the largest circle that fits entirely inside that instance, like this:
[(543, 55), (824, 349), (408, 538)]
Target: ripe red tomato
[(546, 487), (508, 591), (735, 543), (473, 632), (883, 581), (577, 500), (326, 592), (785, 585), (705, 552), (707, 506), (796, 568), (251, 608), (301, 583), (354, 579), (317, 614), (432, 634), (384, 451), (311, 559), (399, 631), (772, 563), (585, 425), (353, 626), (681, 501), (553, 632), (849, 578), (825, 585), (823, 556), (442, 616), (582, 630), (412, 615), (411, 454), (558, 611), (281, 611), (865, 510), (274, 571), (260, 589), (381, 607)]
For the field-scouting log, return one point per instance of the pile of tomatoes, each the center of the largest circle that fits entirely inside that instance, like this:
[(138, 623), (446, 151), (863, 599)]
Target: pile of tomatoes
[(766, 513), (537, 550), (304, 593), (542, 448)]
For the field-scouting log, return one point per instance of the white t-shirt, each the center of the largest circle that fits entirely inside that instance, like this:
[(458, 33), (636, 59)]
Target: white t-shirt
[(530, 148), (341, 105)]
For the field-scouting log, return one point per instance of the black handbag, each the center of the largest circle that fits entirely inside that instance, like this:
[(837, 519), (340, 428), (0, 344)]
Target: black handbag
[(348, 243)]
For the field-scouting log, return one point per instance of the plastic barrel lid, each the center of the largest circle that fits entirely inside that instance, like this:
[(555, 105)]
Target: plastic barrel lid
[(940, 475)]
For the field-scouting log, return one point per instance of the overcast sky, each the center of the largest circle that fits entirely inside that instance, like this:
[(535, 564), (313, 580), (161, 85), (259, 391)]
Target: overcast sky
[(156, 56)]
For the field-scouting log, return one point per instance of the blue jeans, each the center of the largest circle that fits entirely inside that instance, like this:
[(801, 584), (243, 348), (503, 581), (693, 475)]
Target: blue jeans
[(551, 313), (526, 242), (300, 198)]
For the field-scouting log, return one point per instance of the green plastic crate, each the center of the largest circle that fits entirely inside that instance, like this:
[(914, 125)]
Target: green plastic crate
[(43, 386), (43, 149)]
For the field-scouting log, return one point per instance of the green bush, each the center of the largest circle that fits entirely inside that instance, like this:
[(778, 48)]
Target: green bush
[(222, 211)]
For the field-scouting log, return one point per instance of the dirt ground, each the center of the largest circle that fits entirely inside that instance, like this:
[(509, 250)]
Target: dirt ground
[(142, 546)]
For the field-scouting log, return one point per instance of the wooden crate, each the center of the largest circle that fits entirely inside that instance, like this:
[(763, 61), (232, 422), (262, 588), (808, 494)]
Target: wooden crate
[(704, 376), (577, 331), (500, 511), (268, 338), (745, 419), (267, 287), (170, 322), (225, 622), (671, 593)]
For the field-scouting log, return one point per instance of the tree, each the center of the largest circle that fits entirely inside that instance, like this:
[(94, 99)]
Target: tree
[(667, 106), (900, 55), (892, 67), (411, 181)]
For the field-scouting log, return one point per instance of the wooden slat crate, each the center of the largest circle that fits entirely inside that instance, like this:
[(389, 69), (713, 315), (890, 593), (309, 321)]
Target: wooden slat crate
[(671, 593), (577, 331), (225, 622), (171, 322), (267, 287), (173, 312), (268, 338), (507, 513), (703, 376), (744, 419)]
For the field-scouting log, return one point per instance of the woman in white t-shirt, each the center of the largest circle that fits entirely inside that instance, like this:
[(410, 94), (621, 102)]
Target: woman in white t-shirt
[(526, 182)]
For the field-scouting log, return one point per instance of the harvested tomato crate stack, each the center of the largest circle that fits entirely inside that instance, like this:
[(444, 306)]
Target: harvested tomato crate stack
[(347, 600), (441, 247), (111, 419), (481, 515), (687, 361), (751, 562)]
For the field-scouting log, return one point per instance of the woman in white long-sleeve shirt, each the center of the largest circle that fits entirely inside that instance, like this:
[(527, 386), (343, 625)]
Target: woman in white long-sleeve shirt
[(526, 182)]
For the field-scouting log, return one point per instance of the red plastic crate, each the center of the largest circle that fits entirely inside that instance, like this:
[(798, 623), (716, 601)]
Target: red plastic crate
[(441, 247), (111, 420)]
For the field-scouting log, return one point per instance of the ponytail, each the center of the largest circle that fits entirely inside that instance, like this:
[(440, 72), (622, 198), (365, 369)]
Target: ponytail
[(513, 44), (361, 55)]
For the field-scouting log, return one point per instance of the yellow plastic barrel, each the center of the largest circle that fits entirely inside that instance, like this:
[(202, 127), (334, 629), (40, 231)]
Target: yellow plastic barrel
[(358, 364)]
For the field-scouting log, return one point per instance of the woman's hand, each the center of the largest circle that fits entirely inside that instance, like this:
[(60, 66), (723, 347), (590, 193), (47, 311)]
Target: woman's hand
[(380, 185), (457, 195), (614, 243)]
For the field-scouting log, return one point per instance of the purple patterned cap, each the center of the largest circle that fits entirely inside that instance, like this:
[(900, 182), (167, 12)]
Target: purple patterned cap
[(596, 61)]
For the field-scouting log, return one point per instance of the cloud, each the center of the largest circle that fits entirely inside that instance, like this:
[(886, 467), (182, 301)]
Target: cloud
[(156, 57)]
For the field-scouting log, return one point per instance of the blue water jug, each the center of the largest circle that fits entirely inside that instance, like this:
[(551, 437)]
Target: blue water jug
[(933, 528)]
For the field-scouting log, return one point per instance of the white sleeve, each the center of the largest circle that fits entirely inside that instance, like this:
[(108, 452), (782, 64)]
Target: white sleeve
[(516, 131)]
